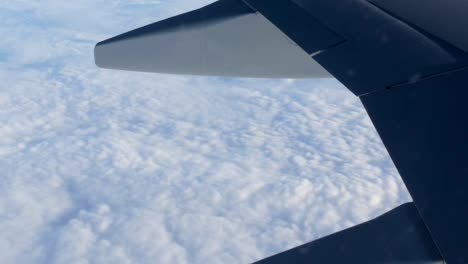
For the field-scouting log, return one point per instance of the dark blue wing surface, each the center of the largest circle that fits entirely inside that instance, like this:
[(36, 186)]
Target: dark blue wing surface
[(413, 82), (398, 236)]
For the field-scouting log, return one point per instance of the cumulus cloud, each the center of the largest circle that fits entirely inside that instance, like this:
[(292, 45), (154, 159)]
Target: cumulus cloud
[(102, 166)]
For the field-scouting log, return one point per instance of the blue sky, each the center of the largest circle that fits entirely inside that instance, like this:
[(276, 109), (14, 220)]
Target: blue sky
[(100, 166)]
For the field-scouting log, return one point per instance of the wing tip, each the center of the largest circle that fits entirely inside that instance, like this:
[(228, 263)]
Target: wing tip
[(99, 60)]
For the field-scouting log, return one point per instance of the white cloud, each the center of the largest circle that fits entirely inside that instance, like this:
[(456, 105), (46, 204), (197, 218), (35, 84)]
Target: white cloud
[(102, 166)]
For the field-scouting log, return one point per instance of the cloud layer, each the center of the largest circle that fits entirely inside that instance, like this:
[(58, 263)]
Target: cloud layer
[(102, 166)]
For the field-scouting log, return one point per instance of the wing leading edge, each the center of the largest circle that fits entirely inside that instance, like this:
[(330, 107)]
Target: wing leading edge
[(410, 72)]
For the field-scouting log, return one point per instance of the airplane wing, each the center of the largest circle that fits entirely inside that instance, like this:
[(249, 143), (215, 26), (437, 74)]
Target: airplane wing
[(398, 236), (407, 60), (226, 38)]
